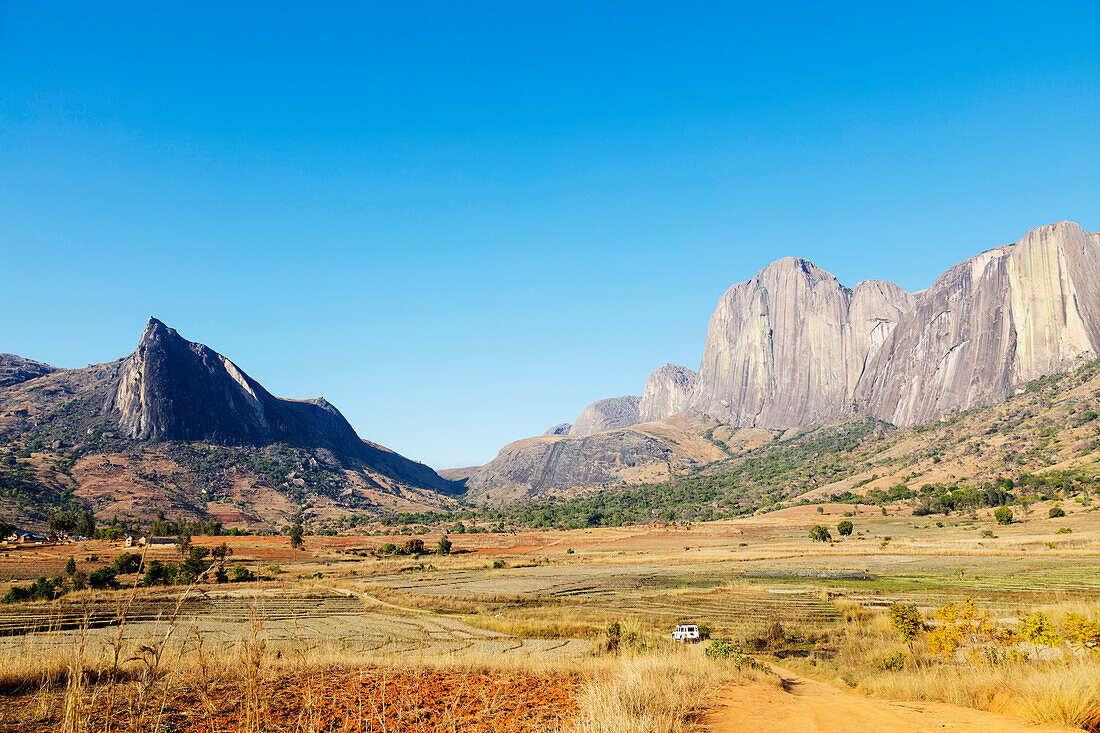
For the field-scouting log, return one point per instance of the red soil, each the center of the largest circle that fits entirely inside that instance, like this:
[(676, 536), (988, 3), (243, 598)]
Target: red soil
[(349, 701)]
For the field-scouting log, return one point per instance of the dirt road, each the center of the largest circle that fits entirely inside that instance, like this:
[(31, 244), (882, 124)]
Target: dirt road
[(815, 707)]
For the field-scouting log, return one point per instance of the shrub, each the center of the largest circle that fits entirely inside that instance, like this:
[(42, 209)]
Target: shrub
[(722, 649), (1056, 511), (126, 563), (103, 578), (891, 663), (988, 534), (1003, 515), (1039, 629), (239, 573), (1064, 530), (157, 573), (820, 533), (907, 622), (844, 529)]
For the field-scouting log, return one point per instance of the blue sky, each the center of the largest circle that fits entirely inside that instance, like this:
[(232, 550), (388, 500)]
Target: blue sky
[(462, 222)]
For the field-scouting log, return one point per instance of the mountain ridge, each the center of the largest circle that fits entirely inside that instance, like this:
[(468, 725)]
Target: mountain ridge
[(792, 346), (145, 409)]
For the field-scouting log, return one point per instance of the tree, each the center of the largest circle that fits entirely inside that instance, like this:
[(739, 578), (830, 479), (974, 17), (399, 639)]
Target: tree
[(820, 533), (1056, 511), (1003, 515), (102, 578), (127, 562), (908, 622), (844, 529), (414, 547), (221, 552), (85, 526), (196, 563), (296, 532), (63, 522), (70, 567), (444, 546)]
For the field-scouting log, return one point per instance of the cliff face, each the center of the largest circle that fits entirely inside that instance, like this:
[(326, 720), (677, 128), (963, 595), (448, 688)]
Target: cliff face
[(788, 347), (668, 390), (793, 347), (173, 389), (989, 325), (609, 414)]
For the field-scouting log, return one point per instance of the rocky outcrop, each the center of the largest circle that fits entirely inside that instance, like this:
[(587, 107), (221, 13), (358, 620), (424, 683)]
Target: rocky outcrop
[(989, 325), (16, 370), (171, 389), (559, 429), (609, 414), (789, 346), (558, 464), (668, 390), (793, 347)]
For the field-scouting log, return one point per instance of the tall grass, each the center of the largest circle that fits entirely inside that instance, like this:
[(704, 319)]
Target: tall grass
[(660, 692), (1064, 692), (136, 673), (1062, 688)]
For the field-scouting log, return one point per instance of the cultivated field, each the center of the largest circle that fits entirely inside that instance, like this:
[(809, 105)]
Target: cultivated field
[(578, 620)]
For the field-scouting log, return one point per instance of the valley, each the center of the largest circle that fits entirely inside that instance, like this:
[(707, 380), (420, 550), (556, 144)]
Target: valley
[(591, 604)]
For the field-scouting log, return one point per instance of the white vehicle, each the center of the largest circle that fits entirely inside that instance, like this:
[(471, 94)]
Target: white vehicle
[(688, 633)]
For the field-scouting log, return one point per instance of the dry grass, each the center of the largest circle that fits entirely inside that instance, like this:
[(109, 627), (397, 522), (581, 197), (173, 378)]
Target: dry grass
[(139, 683), (1062, 690), (662, 692)]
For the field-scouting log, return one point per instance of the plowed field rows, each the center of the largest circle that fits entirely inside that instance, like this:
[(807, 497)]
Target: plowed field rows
[(350, 701)]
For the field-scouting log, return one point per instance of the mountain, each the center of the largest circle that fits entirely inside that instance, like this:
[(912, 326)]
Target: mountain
[(668, 391), (644, 453), (788, 347), (609, 414), (16, 370), (173, 406), (792, 347), (989, 325)]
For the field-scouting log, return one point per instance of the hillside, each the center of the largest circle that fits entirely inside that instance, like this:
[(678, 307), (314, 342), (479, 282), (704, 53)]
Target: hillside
[(1038, 444), (178, 429)]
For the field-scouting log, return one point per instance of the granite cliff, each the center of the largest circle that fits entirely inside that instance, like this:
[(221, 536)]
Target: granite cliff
[(668, 391), (789, 346), (989, 325), (792, 347), (609, 414)]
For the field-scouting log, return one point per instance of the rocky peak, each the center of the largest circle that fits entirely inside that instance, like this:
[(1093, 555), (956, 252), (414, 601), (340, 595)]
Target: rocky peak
[(609, 414), (988, 325), (786, 348), (668, 391)]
